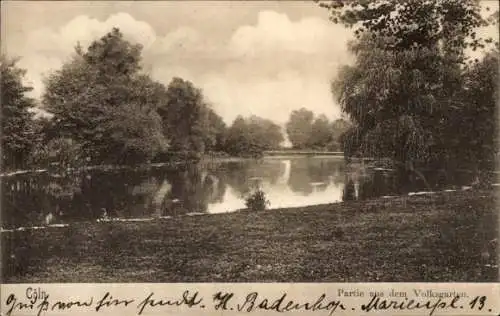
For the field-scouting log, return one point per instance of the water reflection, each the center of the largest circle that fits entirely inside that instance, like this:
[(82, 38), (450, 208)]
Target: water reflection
[(41, 199)]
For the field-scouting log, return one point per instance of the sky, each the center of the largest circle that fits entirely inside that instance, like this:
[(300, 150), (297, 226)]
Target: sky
[(262, 58)]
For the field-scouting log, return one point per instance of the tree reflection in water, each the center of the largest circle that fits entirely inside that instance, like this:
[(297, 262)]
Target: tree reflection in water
[(44, 198)]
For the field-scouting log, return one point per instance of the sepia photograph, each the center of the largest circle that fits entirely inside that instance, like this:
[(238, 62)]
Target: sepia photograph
[(249, 141)]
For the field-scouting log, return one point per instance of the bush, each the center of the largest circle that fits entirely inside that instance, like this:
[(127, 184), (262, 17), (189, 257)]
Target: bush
[(60, 152), (257, 201)]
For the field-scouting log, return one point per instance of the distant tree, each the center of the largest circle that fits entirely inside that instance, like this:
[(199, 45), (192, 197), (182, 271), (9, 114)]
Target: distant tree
[(338, 127), (306, 131), (18, 135), (265, 133), (90, 92), (215, 131), (252, 136), (299, 127), (237, 140), (321, 133)]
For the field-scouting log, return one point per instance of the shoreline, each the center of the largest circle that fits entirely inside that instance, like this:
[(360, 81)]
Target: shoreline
[(432, 238), (379, 164), (189, 214)]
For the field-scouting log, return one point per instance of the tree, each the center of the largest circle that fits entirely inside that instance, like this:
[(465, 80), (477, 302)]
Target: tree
[(64, 152), (129, 128), (405, 88), (264, 133), (90, 94), (17, 120), (306, 131), (412, 23), (216, 132), (387, 96), (112, 56), (475, 127), (237, 140), (185, 117), (191, 123), (299, 127), (252, 136), (338, 128), (321, 133)]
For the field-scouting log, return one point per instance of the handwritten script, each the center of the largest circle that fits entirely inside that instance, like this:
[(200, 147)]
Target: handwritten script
[(38, 301)]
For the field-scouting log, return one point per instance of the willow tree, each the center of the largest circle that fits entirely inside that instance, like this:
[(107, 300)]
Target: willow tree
[(406, 84), (388, 97), (477, 124)]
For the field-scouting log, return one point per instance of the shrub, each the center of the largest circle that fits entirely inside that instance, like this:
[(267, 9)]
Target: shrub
[(60, 152), (257, 201)]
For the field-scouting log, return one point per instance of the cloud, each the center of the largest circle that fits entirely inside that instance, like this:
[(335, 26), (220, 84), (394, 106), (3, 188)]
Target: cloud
[(184, 37), (86, 29), (45, 50), (275, 32), (266, 63), (268, 69), (279, 65)]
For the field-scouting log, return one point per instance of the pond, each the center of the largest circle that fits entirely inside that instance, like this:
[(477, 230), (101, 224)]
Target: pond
[(40, 199)]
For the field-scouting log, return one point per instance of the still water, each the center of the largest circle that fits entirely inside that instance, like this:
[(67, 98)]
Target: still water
[(215, 187)]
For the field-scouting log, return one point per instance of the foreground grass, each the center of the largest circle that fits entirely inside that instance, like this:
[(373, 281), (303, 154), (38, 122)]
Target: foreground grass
[(445, 237)]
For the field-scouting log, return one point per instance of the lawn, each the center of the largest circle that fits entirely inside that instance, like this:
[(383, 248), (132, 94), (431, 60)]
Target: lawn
[(435, 238)]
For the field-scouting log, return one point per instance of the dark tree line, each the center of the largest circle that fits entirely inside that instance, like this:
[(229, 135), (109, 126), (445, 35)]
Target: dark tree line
[(106, 110), (413, 94)]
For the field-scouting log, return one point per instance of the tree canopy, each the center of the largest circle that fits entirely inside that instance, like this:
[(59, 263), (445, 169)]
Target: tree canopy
[(299, 127), (416, 22), (305, 131), (100, 96), (252, 136), (409, 89), (476, 122), (186, 117), (104, 105)]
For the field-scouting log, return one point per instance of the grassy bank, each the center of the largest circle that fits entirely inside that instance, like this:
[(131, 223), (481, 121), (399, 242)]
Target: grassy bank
[(442, 237)]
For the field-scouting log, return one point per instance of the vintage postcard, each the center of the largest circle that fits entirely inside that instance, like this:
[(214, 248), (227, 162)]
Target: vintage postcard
[(330, 157)]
